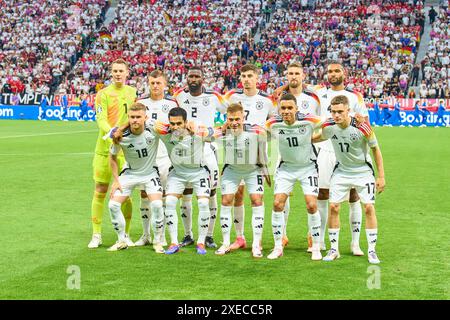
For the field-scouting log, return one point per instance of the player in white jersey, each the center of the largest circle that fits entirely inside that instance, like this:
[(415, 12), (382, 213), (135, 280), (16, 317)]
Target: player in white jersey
[(185, 149), (327, 159), (294, 132), (158, 106), (245, 158), (354, 169), (258, 107), (139, 146), (201, 106), (307, 103)]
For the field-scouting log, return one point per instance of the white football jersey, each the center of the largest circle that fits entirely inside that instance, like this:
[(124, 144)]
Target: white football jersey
[(159, 110), (351, 146), (294, 141), (201, 109), (357, 104), (185, 150), (308, 103), (257, 108), (245, 151), (139, 151), (325, 94)]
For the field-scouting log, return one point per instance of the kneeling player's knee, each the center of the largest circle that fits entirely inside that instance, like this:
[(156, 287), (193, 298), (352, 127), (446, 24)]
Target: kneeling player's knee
[(311, 206), (256, 201), (203, 204), (369, 209), (278, 205), (334, 208), (143, 194), (213, 193)]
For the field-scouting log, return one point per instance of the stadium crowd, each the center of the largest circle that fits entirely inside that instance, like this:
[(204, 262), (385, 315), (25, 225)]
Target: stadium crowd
[(376, 42), (435, 66), (215, 34), (66, 52), (40, 41)]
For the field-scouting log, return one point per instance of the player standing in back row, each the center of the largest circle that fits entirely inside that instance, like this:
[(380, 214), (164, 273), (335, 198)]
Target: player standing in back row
[(157, 106), (111, 106), (258, 107)]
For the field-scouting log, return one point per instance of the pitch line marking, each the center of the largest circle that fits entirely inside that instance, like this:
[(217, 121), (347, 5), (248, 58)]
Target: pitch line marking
[(47, 134)]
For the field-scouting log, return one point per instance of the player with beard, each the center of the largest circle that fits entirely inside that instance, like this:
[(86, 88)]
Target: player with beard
[(326, 158)]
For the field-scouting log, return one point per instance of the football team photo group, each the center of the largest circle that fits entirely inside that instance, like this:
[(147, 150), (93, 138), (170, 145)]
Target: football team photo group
[(225, 150)]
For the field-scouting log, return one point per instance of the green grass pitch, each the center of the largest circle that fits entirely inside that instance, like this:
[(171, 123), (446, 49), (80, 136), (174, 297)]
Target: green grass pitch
[(46, 191)]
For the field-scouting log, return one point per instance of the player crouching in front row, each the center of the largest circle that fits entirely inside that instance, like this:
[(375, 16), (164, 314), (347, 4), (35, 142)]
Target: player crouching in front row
[(139, 145), (354, 169)]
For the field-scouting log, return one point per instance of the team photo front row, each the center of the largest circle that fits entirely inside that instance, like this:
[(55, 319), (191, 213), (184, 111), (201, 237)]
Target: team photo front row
[(163, 159)]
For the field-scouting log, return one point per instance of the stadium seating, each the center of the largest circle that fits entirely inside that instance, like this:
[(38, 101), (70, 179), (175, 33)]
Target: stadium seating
[(40, 40)]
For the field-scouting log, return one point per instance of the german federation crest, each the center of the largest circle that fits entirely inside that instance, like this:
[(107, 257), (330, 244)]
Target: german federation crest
[(302, 130), (353, 137), (165, 108), (259, 105), (305, 105), (205, 102)]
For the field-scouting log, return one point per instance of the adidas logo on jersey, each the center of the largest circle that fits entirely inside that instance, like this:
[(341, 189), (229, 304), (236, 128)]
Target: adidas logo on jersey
[(130, 146), (334, 137), (186, 102), (281, 132), (260, 189)]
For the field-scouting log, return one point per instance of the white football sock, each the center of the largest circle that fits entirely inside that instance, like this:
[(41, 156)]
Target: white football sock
[(186, 214), (172, 218), (333, 235), (157, 219), (213, 214), (257, 225), (146, 215), (203, 219), (225, 223), (322, 207), (314, 227), (355, 220), (372, 236), (117, 219), (277, 228)]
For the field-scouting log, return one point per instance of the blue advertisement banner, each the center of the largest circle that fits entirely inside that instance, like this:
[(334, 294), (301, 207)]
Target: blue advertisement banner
[(24, 112), (31, 112), (409, 118)]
